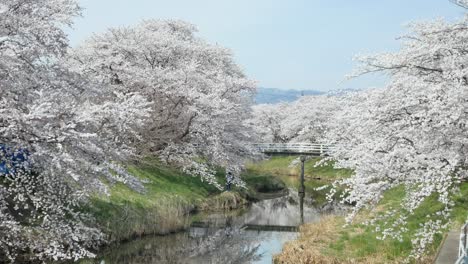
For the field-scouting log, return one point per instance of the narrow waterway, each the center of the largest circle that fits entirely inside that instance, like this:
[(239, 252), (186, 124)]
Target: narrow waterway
[(251, 235)]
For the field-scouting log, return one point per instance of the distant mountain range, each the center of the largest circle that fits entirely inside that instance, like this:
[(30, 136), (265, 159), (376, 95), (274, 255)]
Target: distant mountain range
[(275, 95)]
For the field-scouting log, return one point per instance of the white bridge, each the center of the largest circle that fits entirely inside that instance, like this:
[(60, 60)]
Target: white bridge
[(294, 148)]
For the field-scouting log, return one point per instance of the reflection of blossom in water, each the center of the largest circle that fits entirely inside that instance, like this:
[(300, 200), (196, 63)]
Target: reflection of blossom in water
[(221, 238), (283, 211), (228, 245)]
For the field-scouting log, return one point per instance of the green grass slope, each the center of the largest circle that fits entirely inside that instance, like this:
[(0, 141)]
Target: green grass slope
[(329, 241), (164, 207), (170, 195)]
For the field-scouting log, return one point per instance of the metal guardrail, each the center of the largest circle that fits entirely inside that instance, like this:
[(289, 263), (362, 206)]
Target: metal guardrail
[(299, 148), (463, 246)]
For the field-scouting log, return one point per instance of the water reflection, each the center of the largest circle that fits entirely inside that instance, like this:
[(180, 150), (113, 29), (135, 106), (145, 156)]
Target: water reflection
[(284, 211), (301, 208), (224, 246), (219, 238)]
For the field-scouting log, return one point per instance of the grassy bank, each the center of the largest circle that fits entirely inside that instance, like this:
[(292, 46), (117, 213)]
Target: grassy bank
[(164, 207), (328, 241), (169, 198)]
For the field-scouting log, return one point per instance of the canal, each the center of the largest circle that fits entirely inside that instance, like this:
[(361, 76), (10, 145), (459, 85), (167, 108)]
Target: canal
[(250, 235)]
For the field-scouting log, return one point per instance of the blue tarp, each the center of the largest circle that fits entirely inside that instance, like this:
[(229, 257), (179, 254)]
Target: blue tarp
[(12, 159)]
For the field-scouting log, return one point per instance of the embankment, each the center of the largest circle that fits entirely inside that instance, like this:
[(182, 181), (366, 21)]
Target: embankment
[(330, 241), (170, 198)]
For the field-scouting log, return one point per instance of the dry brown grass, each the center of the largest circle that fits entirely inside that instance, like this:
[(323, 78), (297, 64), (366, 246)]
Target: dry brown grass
[(169, 215), (313, 247), (313, 239), (223, 201)]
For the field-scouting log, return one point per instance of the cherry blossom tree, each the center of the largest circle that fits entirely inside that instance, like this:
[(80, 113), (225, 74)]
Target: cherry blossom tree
[(267, 121), (304, 120), (69, 131), (200, 97), (413, 132), (462, 3)]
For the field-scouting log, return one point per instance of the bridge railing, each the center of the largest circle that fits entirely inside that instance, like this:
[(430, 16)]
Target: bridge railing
[(463, 246), (306, 148)]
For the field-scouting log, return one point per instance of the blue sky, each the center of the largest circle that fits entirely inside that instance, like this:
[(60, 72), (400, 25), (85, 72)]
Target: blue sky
[(288, 44)]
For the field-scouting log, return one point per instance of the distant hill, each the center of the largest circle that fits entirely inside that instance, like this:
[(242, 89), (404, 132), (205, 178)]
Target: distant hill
[(275, 95)]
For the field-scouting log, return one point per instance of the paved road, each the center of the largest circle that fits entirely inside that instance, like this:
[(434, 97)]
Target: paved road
[(449, 252)]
